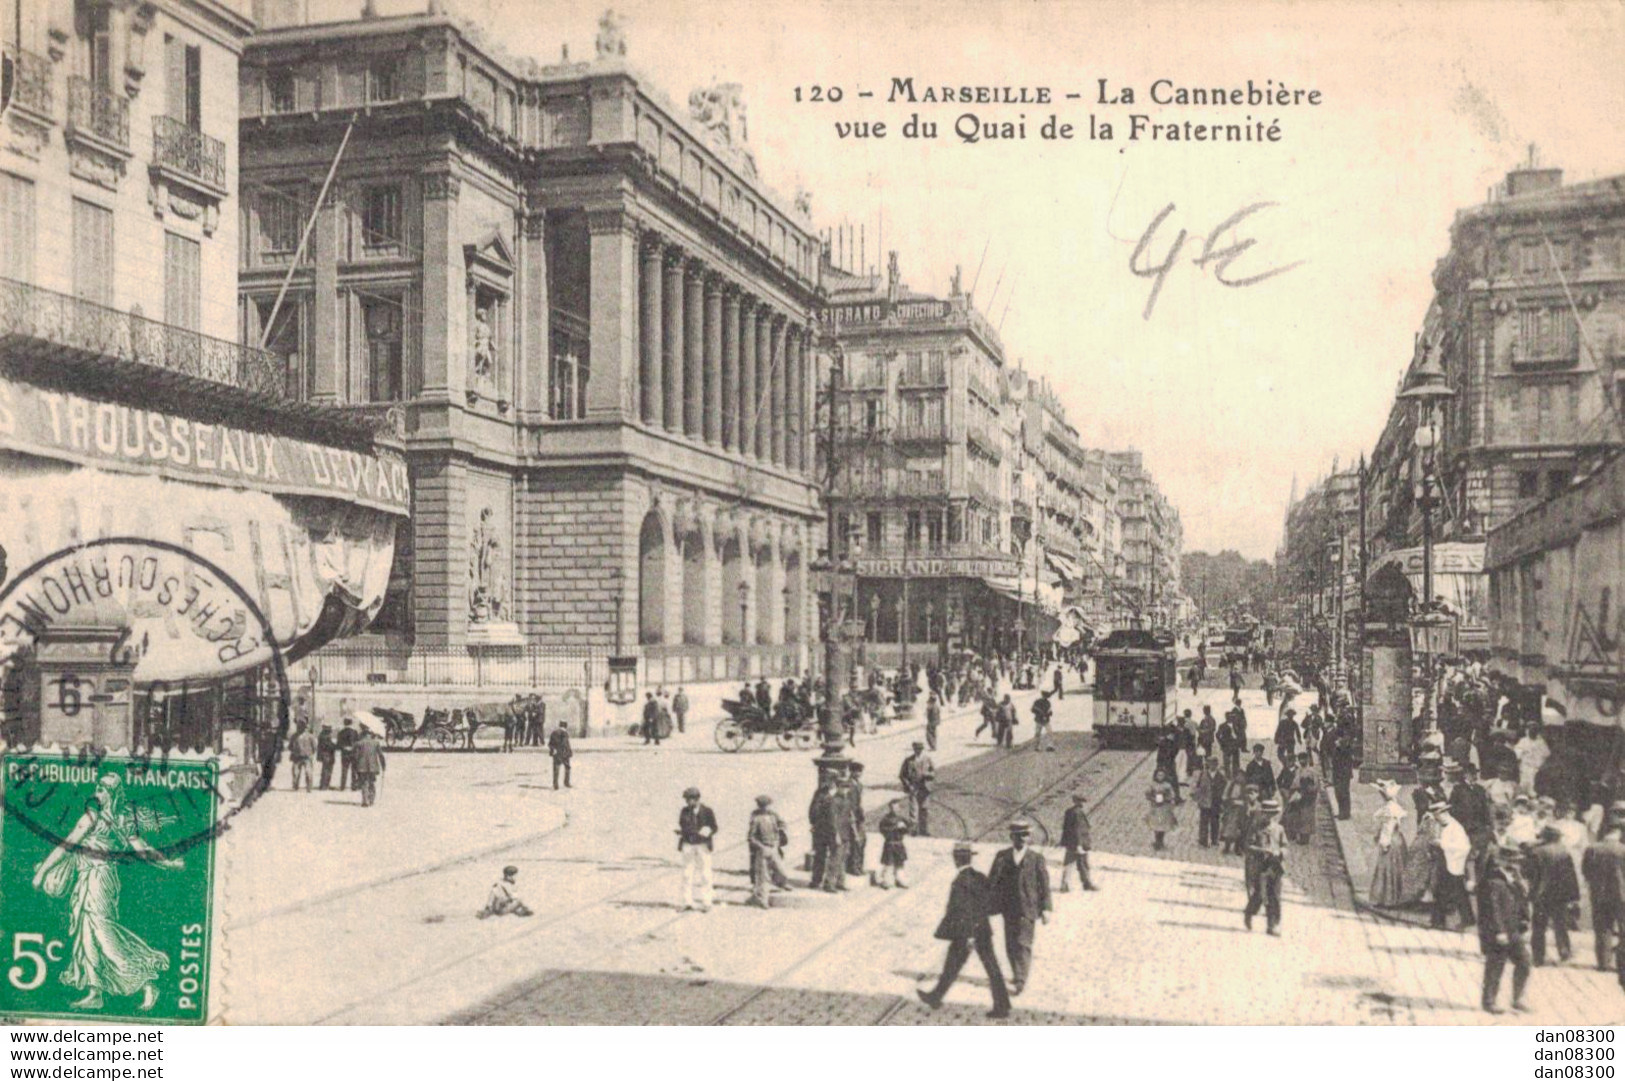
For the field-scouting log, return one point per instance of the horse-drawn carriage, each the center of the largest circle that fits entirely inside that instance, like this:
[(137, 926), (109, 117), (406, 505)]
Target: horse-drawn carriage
[(790, 724), (455, 726)]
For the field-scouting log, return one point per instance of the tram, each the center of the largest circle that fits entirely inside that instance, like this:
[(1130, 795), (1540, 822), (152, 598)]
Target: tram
[(1134, 678)]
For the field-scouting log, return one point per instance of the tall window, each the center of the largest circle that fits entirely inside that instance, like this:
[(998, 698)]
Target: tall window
[(16, 228), (873, 525), (383, 82), (92, 253), (183, 285), (281, 220), (95, 57), (183, 77), (282, 91), (386, 370), (1548, 334), (911, 531), (285, 341), (933, 529), (381, 219)]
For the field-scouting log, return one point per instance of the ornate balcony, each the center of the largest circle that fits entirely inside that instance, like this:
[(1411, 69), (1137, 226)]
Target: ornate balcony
[(934, 431), (56, 326), (189, 154), (30, 79), (100, 114)]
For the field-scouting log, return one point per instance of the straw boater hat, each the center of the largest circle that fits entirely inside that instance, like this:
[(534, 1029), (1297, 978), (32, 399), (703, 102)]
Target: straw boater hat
[(1438, 805), (1270, 805), (964, 848), (1020, 827), (691, 793)]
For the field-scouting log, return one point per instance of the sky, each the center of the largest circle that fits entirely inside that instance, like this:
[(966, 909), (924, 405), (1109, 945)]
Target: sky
[(1229, 391)]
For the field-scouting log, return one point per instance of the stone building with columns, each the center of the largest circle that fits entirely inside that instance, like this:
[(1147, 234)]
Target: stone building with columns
[(595, 315)]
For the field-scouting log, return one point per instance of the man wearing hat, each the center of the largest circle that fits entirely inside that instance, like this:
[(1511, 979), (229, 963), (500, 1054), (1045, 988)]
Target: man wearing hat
[(824, 815), (369, 764), (1266, 866), (1075, 842), (696, 827), (1286, 736), (504, 897), (1470, 804), (965, 927), (1603, 868), (1503, 908), (1021, 893), (558, 748), (1258, 772), (1450, 869), (1553, 887), (767, 837), (854, 835), (916, 777)]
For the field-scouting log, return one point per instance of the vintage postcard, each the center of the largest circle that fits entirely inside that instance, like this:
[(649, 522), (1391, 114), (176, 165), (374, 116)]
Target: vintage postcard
[(833, 513)]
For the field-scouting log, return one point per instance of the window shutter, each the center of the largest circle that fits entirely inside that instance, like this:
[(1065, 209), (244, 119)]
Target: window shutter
[(16, 228), (93, 253), (194, 88), (174, 79), (183, 292)]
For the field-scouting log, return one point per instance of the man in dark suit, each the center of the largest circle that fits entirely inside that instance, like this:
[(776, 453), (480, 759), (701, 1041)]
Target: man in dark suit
[(1021, 893), (825, 815), (369, 763), (1471, 806), (1603, 868), (1232, 737), (965, 927), (1076, 841), (1553, 887), (558, 748)]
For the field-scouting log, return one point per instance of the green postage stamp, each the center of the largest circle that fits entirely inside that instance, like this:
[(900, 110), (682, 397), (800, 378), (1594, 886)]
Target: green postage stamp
[(106, 887)]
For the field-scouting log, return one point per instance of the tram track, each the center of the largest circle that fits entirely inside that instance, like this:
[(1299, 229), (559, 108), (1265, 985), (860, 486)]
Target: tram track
[(1030, 804), (894, 1004)]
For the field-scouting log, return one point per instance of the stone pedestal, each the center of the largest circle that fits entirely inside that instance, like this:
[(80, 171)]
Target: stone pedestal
[(493, 635)]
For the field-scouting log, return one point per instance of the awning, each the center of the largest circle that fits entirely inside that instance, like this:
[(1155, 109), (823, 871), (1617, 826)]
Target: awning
[(147, 442), (1064, 566), (1458, 577), (310, 568)]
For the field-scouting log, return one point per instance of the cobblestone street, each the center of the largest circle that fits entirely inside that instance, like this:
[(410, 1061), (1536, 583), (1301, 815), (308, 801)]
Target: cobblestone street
[(1162, 940)]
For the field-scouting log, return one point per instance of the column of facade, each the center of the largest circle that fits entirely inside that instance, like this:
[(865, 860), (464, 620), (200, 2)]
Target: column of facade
[(794, 398), (764, 363), (651, 378), (747, 377), (777, 397), (612, 341), (713, 359), (730, 370), (694, 349), (671, 342)]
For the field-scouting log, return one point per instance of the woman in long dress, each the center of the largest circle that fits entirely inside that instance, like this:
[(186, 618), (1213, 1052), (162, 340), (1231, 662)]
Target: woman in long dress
[(1420, 863), (107, 957), (1233, 821), (1388, 877), (1160, 818)]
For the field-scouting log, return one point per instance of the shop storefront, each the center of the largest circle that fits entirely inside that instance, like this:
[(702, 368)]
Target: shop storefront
[(160, 571)]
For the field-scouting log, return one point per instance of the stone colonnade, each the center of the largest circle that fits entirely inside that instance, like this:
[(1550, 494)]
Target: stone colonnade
[(719, 364)]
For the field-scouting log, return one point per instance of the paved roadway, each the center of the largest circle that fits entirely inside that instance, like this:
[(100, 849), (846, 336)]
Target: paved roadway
[(369, 931)]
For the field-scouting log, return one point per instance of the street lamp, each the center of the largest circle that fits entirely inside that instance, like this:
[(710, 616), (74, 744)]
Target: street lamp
[(1428, 387), (744, 634)]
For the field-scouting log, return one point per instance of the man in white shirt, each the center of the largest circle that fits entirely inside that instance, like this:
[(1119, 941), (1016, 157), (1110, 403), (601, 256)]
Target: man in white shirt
[(1450, 856), (1532, 754)]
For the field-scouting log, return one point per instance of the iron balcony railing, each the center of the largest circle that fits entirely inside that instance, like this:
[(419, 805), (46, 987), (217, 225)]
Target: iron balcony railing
[(31, 314), (189, 152), (928, 431), (29, 77), (923, 374), (909, 483), (99, 113)]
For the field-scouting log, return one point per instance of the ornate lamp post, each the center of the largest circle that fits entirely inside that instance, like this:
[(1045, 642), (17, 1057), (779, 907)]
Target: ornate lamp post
[(1429, 389)]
